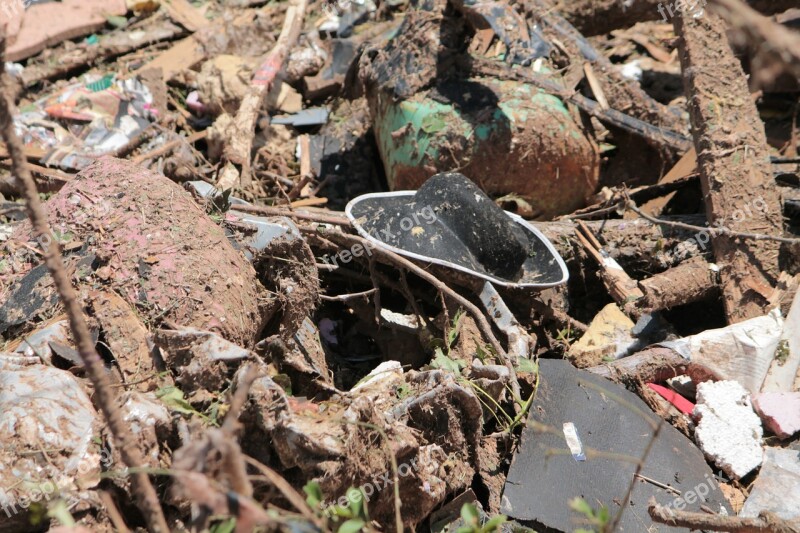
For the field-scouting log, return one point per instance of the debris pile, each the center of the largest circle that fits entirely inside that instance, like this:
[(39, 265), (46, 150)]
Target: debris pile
[(357, 266)]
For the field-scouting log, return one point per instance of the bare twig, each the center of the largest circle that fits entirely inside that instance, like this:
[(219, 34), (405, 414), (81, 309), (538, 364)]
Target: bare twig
[(168, 147), (291, 495), (237, 152), (638, 472), (284, 212), (622, 288), (95, 370), (767, 523), (711, 230), (346, 297), (113, 513)]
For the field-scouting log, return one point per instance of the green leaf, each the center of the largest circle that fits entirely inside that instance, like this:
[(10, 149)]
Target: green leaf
[(446, 363), (603, 515), (579, 505), (353, 525), (226, 526), (452, 335), (526, 366), (402, 391), (494, 523), (356, 499), (470, 514), (59, 511), (313, 494), (173, 398)]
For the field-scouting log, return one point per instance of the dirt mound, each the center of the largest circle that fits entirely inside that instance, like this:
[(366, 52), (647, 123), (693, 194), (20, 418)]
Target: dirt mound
[(157, 249)]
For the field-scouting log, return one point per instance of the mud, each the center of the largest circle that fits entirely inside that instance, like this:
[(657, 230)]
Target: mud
[(158, 250)]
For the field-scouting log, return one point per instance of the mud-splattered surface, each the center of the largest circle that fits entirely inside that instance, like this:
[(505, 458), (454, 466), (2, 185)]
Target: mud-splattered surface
[(158, 250)]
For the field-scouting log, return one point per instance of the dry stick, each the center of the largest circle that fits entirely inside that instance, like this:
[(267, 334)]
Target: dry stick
[(237, 152), (113, 513), (401, 262), (284, 212), (652, 364), (622, 288), (346, 297), (712, 231), (291, 495), (594, 84), (733, 161), (191, 139), (95, 370), (691, 281), (769, 523)]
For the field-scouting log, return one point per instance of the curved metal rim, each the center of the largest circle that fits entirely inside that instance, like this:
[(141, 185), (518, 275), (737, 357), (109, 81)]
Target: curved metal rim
[(504, 283)]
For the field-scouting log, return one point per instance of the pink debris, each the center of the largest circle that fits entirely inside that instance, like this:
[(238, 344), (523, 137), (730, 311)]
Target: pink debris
[(780, 412)]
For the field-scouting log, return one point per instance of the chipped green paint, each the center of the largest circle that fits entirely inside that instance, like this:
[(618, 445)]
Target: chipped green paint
[(413, 132)]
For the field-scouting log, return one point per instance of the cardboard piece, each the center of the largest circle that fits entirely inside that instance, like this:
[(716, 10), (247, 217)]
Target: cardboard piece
[(50, 23)]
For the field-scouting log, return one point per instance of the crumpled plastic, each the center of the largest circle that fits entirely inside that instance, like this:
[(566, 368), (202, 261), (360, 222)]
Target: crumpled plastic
[(101, 115)]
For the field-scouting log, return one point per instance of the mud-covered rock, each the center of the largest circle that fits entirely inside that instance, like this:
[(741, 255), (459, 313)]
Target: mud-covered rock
[(429, 423), (200, 359), (47, 431), (157, 249)]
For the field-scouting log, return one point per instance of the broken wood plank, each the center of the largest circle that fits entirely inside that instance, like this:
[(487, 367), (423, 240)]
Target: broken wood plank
[(186, 53), (651, 365), (685, 166), (689, 282), (113, 44), (734, 164), (46, 24), (185, 14), (236, 154)]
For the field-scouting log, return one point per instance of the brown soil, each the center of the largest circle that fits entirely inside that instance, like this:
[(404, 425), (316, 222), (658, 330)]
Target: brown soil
[(158, 250)]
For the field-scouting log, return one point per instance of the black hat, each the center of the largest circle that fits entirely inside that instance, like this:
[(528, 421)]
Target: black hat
[(449, 221)]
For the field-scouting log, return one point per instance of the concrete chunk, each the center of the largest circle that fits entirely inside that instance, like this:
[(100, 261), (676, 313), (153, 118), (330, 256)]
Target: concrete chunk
[(777, 486), (729, 431), (609, 335)]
